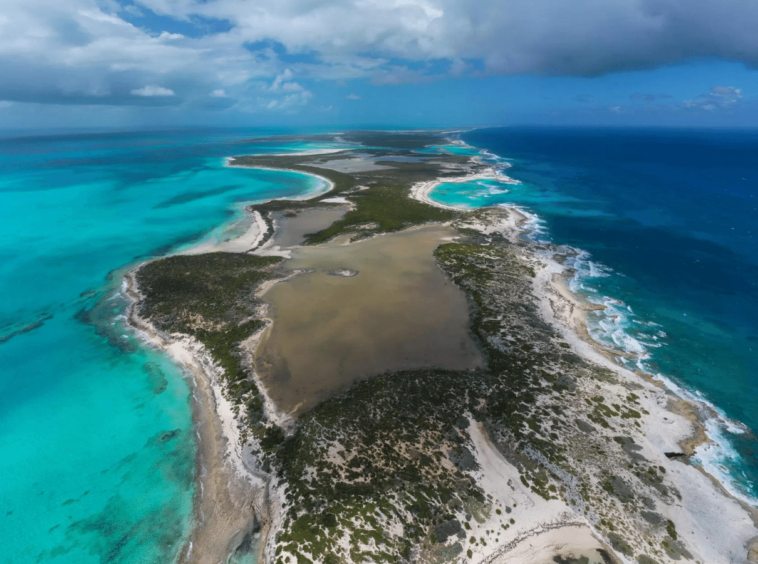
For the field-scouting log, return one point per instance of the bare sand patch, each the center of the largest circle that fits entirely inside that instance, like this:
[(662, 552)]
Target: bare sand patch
[(399, 312), (255, 229), (543, 529)]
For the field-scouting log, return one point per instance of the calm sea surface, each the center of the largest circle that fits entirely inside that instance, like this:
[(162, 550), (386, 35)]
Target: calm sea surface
[(96, 442)]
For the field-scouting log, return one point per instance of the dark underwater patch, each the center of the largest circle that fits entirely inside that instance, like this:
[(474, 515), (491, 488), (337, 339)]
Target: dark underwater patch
[(192, 196), (100, 318), (121, 531), (156, 377), (25, 329)]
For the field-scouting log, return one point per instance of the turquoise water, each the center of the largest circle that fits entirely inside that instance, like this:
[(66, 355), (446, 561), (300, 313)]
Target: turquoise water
[(96, 443), (665, 225)]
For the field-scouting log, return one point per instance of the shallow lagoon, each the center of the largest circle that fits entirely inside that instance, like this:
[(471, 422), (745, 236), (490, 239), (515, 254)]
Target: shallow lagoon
[(398, 312)]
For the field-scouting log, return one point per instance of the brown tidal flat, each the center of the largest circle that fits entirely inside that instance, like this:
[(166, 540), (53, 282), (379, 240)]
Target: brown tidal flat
[(291, 231), (399, 312)]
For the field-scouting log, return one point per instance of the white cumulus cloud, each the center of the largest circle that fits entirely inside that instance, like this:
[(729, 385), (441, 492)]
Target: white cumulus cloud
[(718, 98), (148, 91)]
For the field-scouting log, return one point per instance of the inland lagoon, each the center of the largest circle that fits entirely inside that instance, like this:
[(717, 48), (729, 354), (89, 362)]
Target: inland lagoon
[(362, 309)]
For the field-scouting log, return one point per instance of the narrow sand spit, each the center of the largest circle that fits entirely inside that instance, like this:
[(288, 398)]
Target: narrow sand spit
[(248, 241), (257, 230), (329, 183), (307, 153)]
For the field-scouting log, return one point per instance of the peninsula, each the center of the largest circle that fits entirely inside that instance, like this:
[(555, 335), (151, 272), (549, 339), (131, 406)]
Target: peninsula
[(379, 378)]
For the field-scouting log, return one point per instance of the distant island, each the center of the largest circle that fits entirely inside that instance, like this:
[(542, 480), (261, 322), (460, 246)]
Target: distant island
[(382, 378)]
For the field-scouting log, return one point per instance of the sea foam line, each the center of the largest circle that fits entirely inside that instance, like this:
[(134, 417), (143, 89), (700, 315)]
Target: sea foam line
[(618, 326)]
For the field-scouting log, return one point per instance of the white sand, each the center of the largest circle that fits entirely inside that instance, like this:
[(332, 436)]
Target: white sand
[(264, 493), (421, 190), (232, 492), (336, 200), (304, 153), (190, 353), (536, 519), (542, 544), (715, 527), (251, 240), (329, 185), (509, 225), (246, 242)]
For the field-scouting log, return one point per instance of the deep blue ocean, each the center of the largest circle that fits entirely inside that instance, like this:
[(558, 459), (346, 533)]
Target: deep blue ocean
[(97, 451), (667, 225)]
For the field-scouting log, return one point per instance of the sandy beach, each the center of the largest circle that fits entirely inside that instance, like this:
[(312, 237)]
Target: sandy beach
[(718, 524), (248, 241), (421, 190), (231, 496), (234, 499), (329, 184)]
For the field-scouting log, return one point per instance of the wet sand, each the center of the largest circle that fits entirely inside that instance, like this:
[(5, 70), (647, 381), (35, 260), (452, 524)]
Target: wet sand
[(399, 312), (224, 517)]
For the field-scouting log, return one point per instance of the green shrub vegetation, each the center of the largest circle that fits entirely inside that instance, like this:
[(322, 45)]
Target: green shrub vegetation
[(212, 298), (384, 209)]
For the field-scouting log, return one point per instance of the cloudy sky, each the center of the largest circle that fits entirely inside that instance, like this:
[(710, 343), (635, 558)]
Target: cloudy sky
[(377, 62)]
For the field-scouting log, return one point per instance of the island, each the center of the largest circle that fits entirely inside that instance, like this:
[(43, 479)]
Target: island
[(380, 378)]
